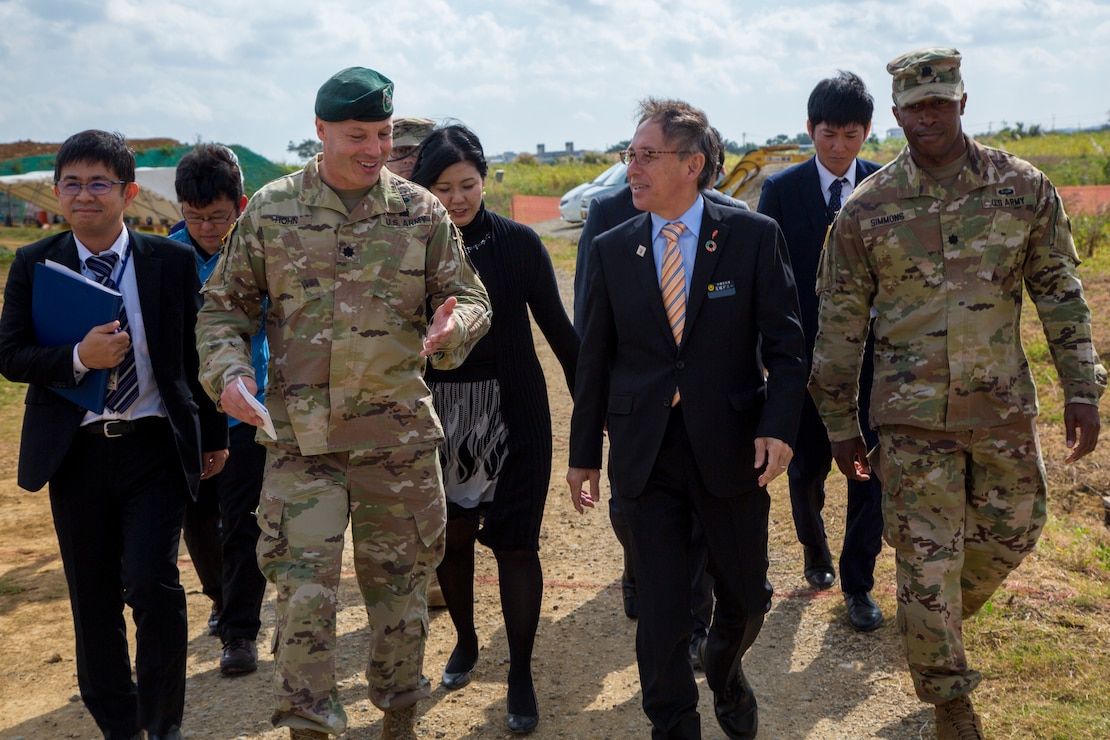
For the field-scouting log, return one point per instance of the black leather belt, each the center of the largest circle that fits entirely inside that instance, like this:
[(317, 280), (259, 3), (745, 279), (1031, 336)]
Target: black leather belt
[(112, 428)]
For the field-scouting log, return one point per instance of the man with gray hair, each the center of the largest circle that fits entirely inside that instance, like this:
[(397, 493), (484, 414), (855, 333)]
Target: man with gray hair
[(693, 357), (938, 246)]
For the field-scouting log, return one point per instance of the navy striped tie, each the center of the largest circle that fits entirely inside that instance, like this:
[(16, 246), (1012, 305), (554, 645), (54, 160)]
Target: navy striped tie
[(835, 191), (126, 375)]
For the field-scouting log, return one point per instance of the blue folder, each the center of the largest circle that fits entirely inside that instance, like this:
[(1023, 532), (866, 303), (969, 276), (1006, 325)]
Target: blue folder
[(64, 306)]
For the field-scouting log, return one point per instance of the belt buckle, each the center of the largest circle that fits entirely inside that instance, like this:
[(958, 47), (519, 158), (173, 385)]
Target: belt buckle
[(107, 428)]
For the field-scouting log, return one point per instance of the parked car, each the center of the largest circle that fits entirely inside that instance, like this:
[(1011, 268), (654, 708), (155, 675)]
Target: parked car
[(615, 178), (570, 205)]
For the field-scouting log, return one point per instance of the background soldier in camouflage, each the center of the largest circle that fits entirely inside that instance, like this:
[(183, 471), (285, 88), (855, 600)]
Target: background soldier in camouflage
[(939, 244), (349, 256), (408, 134)]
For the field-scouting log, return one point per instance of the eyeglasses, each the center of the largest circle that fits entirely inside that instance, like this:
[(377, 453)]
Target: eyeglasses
[(644, 156), (95, 187), (401, 152), (215, 219)]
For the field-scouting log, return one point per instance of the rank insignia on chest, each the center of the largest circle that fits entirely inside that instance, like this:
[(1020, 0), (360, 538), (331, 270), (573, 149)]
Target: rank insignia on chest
[(347, 253)]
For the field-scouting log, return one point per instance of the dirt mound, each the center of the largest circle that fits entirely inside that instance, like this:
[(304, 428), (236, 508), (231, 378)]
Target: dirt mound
[(20, 149), (754, 188)]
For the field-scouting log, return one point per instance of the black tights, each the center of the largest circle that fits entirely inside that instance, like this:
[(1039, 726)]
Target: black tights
[(521, 583)]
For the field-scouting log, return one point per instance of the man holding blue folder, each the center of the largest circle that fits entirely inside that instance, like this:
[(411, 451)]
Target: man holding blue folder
[(118, 477)]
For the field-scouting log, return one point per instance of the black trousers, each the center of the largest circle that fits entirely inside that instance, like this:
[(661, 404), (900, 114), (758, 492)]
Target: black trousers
[(701, 583), (810, 466), (660, 523), (221, 532), (117, 507)]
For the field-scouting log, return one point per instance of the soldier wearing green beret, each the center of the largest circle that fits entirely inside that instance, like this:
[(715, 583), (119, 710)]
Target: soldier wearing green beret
[(349, 257), (937, 246)]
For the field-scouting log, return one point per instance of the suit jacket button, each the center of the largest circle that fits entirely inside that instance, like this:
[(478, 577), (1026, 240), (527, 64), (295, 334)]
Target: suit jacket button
[(666, 402), (681, 365)]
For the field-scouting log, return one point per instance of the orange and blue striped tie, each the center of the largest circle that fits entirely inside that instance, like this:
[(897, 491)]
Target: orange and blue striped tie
[(672, 283)]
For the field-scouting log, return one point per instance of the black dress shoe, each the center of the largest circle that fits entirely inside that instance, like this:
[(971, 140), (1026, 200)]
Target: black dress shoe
[(214, 619), (522, 724), (736, 709), (239, 656), (628, 592), (452, 680), (863, 613), (697, 649), (172, 734), (819, 568)]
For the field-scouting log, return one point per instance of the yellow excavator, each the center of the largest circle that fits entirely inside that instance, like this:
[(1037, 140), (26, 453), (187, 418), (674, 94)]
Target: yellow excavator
[(757, 161)]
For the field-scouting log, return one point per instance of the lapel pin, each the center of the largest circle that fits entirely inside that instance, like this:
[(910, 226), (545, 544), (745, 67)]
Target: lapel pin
[(641, 251), (711, 246)]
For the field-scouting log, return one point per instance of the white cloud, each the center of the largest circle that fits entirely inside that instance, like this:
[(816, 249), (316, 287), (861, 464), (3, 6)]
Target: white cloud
[(520, 74)]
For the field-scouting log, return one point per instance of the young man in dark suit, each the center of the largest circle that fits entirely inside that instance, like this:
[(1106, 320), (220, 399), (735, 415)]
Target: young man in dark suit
[(118, 480), (693, 357), (804, 201)]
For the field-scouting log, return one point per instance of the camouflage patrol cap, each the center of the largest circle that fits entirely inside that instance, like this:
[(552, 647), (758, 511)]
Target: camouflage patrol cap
[(926, 73), (410, 131), (355, 93)]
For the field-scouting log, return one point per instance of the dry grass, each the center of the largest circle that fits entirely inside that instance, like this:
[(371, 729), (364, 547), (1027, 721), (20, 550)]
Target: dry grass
[(1042, 642)]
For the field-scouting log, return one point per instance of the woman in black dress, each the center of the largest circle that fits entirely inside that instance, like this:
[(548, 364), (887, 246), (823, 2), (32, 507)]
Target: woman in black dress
[(497, 455)]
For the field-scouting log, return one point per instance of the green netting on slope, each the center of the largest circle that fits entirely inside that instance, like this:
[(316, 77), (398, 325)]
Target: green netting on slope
[(257, 170)]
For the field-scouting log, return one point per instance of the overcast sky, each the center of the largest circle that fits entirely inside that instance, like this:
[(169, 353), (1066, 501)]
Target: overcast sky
[(524, 72)]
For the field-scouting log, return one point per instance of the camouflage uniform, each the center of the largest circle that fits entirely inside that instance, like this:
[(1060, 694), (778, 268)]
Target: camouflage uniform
[(356, 431), (953, 399)]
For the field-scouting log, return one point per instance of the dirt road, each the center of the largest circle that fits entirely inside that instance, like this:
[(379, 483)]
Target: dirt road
[(814, 677)]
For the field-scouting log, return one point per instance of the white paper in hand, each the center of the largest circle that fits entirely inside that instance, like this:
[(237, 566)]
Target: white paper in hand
[(267, 422)]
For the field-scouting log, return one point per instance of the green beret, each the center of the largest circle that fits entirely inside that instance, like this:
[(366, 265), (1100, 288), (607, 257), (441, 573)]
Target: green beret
[(410, 131), (926, 73), (355, 93)]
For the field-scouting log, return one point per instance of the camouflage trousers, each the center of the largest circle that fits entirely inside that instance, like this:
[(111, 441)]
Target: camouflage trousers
[(961, 510), (394, 500)]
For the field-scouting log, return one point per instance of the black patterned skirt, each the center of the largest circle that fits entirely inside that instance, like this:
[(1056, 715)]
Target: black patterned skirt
[(476, 443)]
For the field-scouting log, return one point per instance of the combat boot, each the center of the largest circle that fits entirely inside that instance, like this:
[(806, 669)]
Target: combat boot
[(435, 593), (957, 720), (399, 724), (302, 733)]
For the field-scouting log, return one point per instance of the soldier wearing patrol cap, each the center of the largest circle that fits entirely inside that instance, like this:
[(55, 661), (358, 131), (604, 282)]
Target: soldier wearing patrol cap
[(408, 133), (348, 256), (938, 246)]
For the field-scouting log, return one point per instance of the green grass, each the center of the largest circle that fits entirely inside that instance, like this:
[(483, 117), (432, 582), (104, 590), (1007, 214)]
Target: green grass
[(12, 238), (1081, 158), (563, 252), (1043, 665), (527, 177), (9, 589)]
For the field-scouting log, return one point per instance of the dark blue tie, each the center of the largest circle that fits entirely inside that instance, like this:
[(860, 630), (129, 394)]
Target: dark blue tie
[(834, 196), (126, 387)]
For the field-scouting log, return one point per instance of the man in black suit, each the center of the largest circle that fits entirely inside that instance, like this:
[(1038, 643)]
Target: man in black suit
[(605, 213), (118, 480), (804, 200), (701, 398)]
